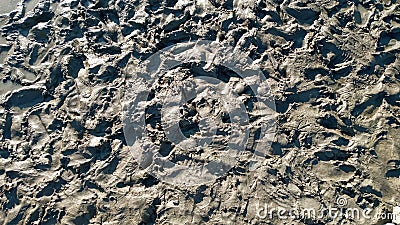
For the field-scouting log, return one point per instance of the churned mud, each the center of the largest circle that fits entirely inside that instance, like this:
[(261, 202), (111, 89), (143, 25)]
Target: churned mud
[(333, 68)]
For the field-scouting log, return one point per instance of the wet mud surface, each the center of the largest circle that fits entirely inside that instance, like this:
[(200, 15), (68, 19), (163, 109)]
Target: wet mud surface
[(333, 68)]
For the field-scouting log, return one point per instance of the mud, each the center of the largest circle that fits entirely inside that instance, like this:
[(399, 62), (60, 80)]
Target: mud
[(334, 72)]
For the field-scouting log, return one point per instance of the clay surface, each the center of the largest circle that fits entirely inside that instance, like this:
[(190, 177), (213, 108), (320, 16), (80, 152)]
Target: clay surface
[(333, 70)]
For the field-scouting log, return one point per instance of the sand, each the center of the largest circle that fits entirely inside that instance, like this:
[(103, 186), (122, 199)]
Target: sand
[(331, 71)]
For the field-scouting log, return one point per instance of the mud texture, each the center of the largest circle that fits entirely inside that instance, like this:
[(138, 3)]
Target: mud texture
[(333, 68)]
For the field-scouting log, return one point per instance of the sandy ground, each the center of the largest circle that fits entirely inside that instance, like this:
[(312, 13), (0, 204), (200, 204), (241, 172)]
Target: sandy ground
[(333, 72)]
